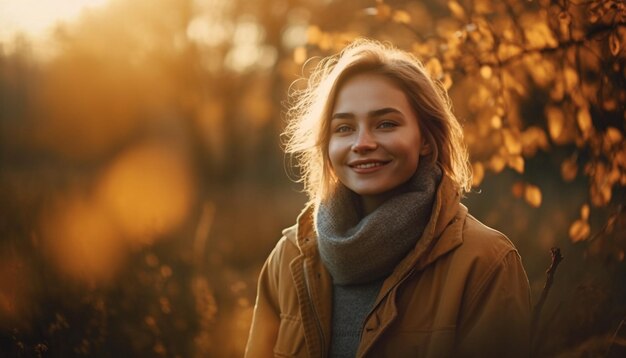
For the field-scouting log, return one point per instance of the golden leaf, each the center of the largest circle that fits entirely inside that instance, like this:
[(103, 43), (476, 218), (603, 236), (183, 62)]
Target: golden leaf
[(571, 78), (579, 230), (425, 49), (512, 83), (478, 173), (557, 91), (517, 163), (512, 141), (506, 51), (518, 189), (600, 194), (614, 44), (401, 17), (556, 121), (539, 34), (565, 19), (456, 9), (299, 55), (569, 169), (584, 212), (532, 195), (584, 121), (496, 122), (433, 66), (620, 157), (612, 136), (486, 72), (496, 163), (383, 11), (533, 138), (483, 6)]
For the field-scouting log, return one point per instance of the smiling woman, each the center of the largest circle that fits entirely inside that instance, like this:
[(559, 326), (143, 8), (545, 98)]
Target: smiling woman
[(385, 261)]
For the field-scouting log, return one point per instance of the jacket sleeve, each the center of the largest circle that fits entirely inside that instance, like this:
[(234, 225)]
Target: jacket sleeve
[(266, 317), (496, 319)]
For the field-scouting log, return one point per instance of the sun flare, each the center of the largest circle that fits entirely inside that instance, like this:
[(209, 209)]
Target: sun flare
[(34, 18)]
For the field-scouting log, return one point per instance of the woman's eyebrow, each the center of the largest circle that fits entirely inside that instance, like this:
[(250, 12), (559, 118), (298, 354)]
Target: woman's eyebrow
[(374, 113)]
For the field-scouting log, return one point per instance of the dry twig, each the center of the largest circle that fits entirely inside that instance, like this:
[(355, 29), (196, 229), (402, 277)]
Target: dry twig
[(556, 260)]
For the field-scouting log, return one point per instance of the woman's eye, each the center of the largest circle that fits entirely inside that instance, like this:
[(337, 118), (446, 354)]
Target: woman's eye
[(385, 125), (343, 129)]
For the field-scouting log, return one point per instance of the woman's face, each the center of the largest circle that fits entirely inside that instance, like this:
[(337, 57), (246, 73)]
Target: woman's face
[(375, 141)]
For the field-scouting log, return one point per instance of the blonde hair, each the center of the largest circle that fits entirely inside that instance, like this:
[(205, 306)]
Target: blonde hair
[(308, 117)]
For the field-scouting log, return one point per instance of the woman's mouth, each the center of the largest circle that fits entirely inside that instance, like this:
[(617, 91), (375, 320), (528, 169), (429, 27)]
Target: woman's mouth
[(367, 166)]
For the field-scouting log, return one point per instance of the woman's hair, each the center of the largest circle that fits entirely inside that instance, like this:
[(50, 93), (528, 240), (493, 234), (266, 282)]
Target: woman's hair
[(309, 115)]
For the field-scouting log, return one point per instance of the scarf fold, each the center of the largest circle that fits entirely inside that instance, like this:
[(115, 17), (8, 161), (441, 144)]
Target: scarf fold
[(358, 250)]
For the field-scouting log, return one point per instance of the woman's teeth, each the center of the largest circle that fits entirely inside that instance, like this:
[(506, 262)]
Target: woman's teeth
[(368, 165)]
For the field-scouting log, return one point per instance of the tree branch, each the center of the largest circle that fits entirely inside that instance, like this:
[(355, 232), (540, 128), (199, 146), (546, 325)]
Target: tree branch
[(556, 260)]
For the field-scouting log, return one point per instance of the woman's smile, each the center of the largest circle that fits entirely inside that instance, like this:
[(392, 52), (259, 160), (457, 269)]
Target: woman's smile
[(366, 166)]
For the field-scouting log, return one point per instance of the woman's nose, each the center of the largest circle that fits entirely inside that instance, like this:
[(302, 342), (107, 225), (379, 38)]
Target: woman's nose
[(363, 142)]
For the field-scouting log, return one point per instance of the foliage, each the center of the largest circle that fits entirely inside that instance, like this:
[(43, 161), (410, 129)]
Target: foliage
[(566, 56)]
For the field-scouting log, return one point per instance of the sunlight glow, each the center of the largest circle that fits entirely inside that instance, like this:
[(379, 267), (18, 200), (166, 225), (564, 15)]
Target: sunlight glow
[(34, 18)]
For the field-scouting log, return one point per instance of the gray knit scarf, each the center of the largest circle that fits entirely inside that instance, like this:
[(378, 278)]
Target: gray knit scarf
[(357, 249)]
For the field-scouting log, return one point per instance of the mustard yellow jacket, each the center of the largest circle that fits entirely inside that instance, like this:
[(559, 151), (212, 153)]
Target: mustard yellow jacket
[(461, 292)]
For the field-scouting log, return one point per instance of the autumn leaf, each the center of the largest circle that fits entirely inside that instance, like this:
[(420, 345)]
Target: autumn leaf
[(517, 163), (518, 189), (496, 122), (584, 212), (533, 138), (570, 77), (401, 17), (584, 121), (612, 136), (478, 173), (569, 169), (434, 68), (600, 192), (496, 163), (486, 72), (614, 44), (532, 195), (565, 19), (579, 230), (383, 11), (456, 9), (512, 141), (556, 121)]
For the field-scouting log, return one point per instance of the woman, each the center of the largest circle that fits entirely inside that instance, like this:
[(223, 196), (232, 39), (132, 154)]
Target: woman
[(384, 261)]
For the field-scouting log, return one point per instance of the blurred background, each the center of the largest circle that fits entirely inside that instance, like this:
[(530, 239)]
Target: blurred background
[(142, 181)]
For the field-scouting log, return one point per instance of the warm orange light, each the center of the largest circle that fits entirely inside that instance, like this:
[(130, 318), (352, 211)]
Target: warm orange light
[(36, 17), (14, 293), (82, 241), (147, 191)]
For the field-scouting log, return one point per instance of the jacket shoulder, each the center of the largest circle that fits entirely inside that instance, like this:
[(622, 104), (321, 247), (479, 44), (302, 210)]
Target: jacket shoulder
[(485, 241), (286, 249)]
